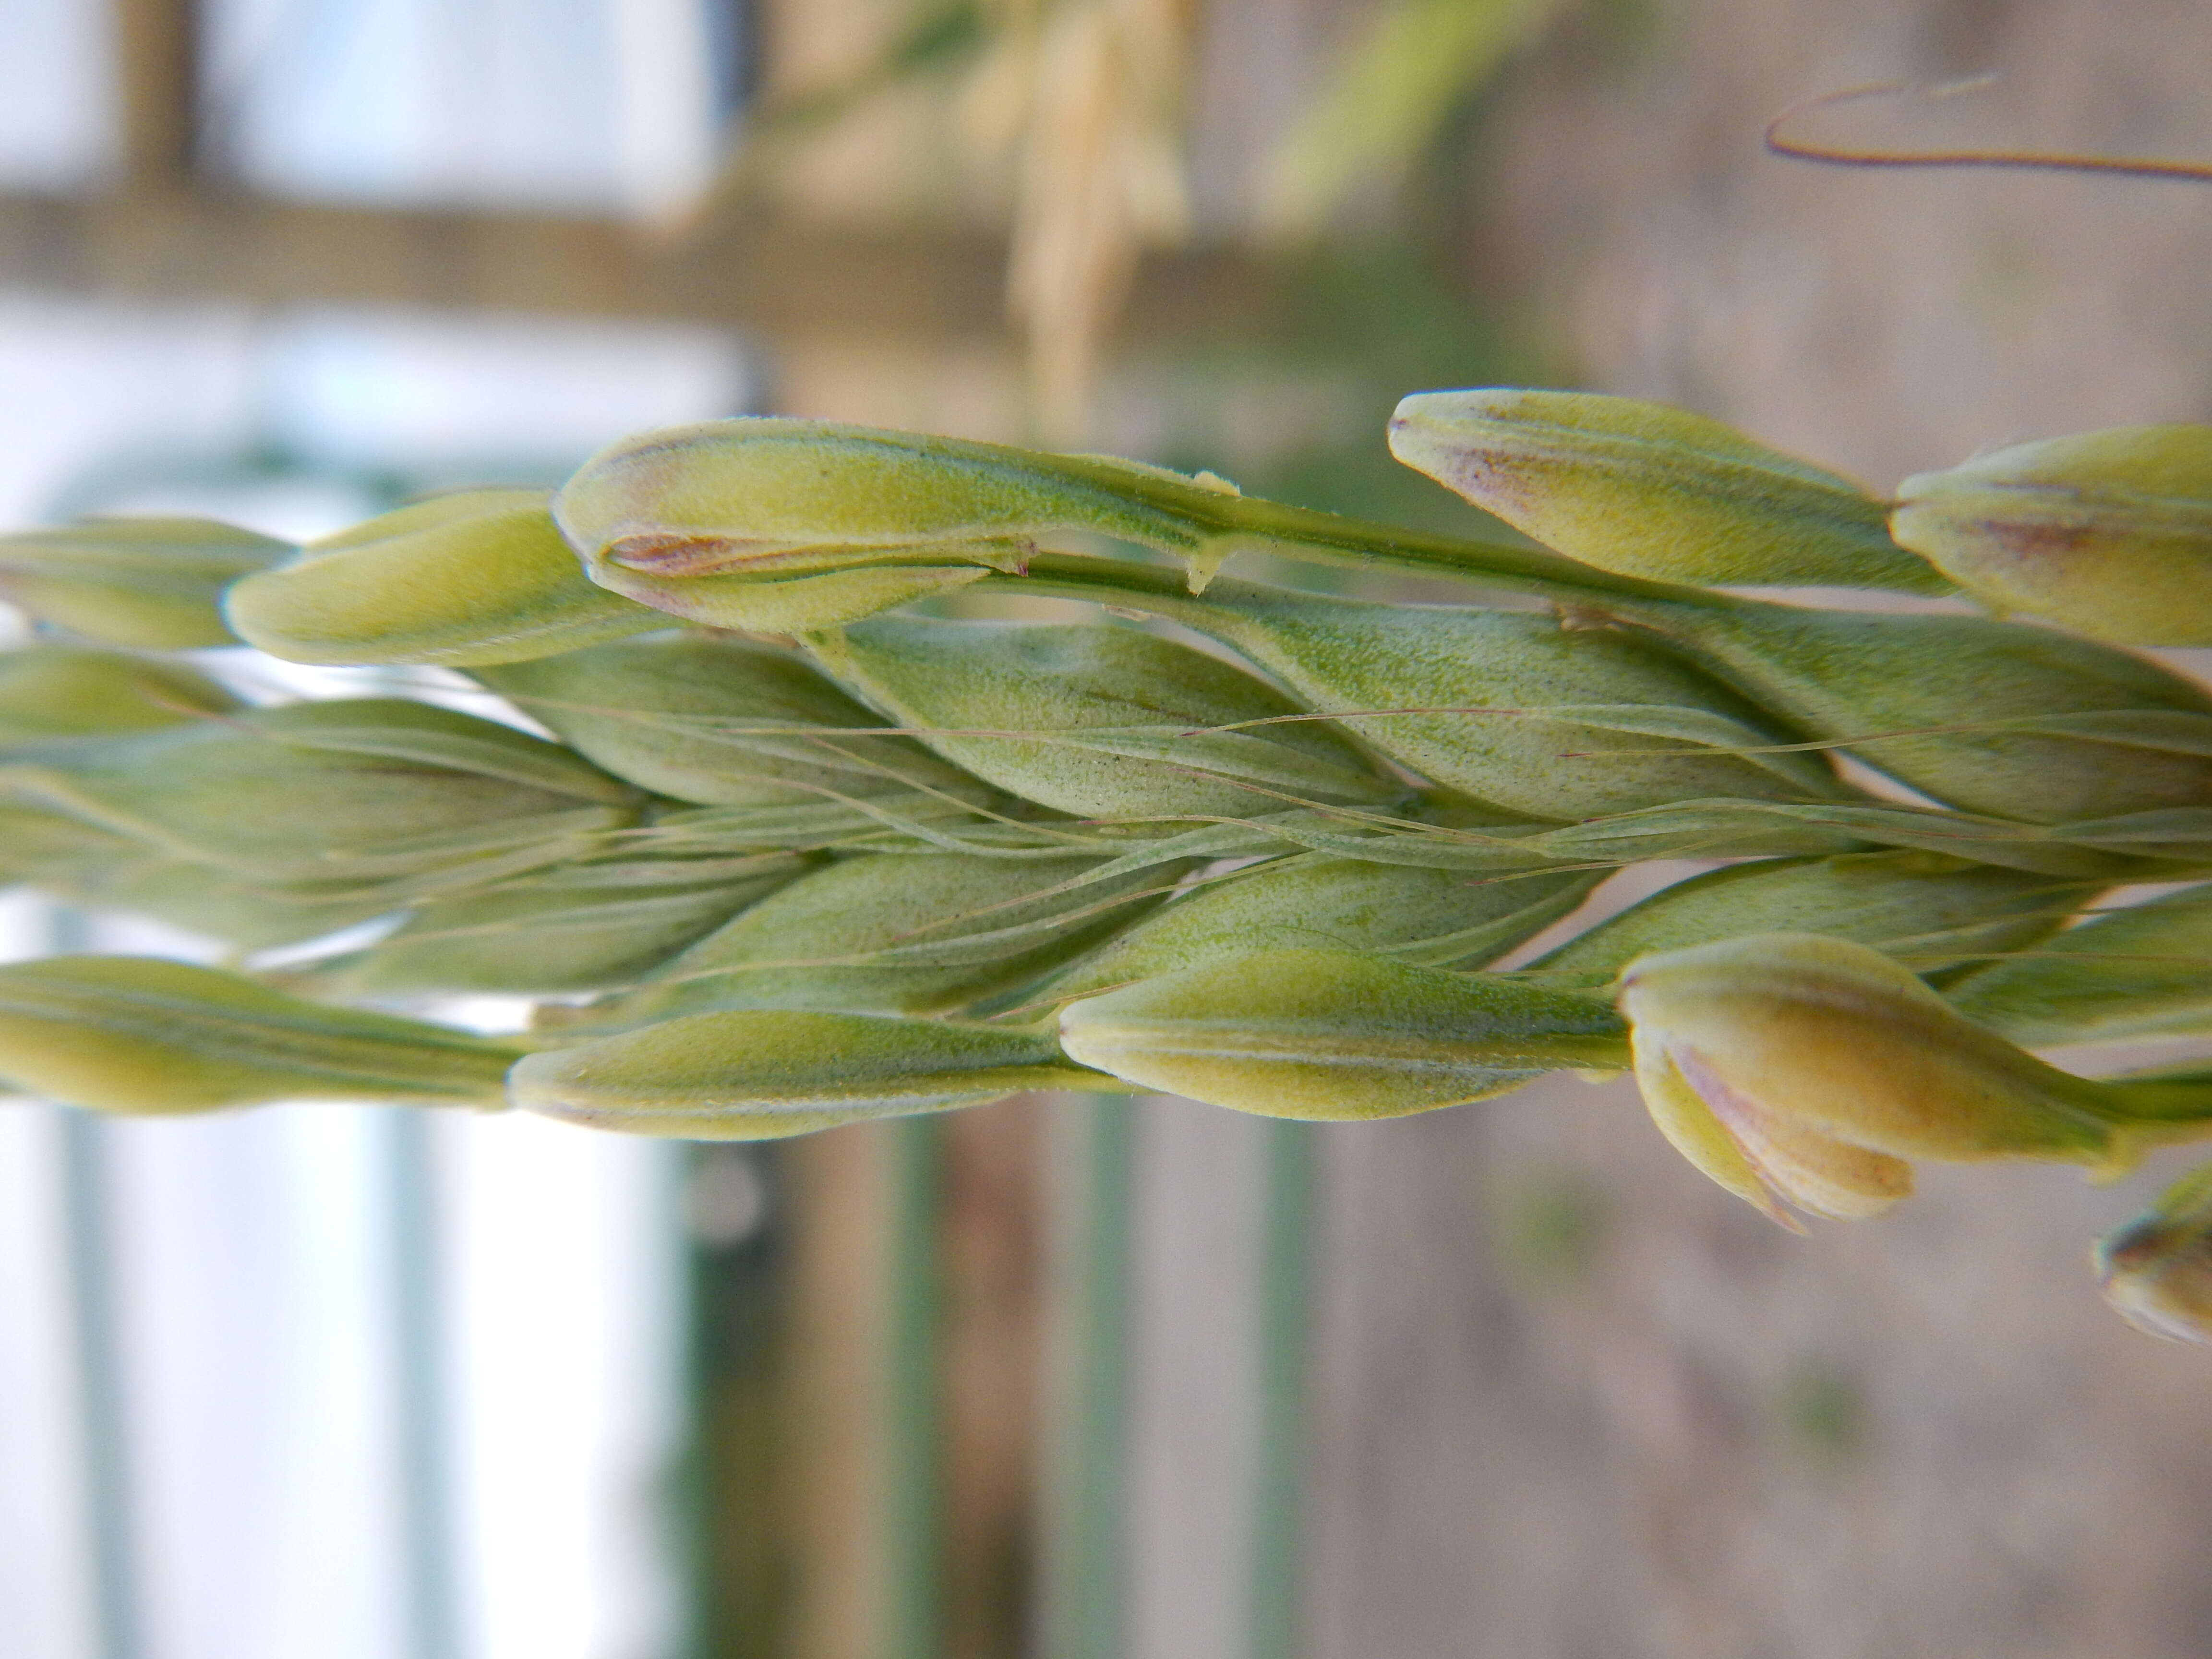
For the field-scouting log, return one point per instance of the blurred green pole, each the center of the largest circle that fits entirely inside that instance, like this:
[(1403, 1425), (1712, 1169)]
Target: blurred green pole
[(1285, 1284), (914, 1474), (1086, 1426), (102, 1409), (430, 1559), (104, 1414)]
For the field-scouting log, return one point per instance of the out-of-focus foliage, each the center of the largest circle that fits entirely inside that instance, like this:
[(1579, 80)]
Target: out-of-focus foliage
[(1393, 94), (1073, 116)]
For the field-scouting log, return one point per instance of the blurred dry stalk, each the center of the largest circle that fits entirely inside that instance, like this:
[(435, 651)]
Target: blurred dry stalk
[(1091, 94), (1069, 118)]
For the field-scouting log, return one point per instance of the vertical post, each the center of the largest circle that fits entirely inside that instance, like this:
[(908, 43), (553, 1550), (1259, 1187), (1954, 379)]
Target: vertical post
[(833, 1390), (914, 1486), (156, 49), (1286, 1281), (1086, 1423), (103, 1412), (426, 1474), (744, 1558)]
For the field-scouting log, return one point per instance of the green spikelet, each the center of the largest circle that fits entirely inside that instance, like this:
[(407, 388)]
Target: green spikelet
[(552, 932), (1433, 918), (342, 791), (2145, 970), (132, 1034), (2156, 1270), (1101, 721), (1927, 910), (60, 853), (481, 577), (918, 933), (752, 1074), (1986, 716), (2109, 533), (1814, 1071), (1335, 1035), (153, 583), (729, 501), (1648, 490), (49, 691), (722, 721), (1514, 707)]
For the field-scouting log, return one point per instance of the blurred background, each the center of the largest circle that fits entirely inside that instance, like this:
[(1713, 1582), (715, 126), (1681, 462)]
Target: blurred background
[(1065, 1378)]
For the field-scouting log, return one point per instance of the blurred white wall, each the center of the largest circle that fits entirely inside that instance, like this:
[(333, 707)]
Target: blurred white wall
[(577, 105), (58, 127)]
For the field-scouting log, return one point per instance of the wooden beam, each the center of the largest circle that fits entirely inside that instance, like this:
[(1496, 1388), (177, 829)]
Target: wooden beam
[(774, 276)]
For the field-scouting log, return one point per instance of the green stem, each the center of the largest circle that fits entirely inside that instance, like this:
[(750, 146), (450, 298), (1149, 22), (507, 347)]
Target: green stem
[(1298, 532), (2163, 1111), (1172, 515), (1162, 592), (1102, 580)]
